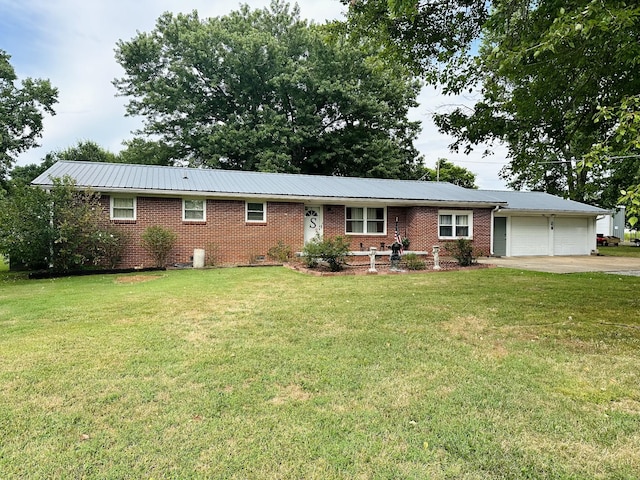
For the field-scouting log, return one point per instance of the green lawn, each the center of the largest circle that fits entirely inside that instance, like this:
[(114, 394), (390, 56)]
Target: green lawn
[(269, 373), (620, 251)]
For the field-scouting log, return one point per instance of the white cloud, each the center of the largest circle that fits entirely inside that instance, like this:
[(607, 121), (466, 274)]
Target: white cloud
[(72, 43)]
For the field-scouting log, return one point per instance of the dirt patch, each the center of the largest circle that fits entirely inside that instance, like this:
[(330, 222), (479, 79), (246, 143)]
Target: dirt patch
[(290, 393), (137, 278)]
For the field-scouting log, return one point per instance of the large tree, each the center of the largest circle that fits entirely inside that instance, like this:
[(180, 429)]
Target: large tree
[(263, 90), (543, 82), (22, 108)]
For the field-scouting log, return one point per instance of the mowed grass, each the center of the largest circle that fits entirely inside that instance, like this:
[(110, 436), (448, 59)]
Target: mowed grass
[(620, 251), (268, 373)]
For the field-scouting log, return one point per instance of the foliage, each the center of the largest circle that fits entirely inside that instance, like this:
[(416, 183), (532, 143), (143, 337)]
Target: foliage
[(446, 171), (331, 250), (420, 35), (280, 252), (545, 69), (158, 242), (263, 90), (405, 243), (109, 245), (413, 262), (22, 109), (146, 152), (462, 250), (62, 229), (86, 151), (26, 232)]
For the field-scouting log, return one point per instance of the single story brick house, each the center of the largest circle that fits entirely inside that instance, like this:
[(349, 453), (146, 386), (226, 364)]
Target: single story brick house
[(238, 216)]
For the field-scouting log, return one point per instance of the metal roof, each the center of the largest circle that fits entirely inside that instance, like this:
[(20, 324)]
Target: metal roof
[(157, 180), (534, 202)]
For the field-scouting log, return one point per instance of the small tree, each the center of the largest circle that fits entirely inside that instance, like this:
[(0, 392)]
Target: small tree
[(331, 250), (159, 242)]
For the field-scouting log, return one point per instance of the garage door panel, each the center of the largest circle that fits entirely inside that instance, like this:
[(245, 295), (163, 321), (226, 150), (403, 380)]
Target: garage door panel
[(571, 236), (529, 236)]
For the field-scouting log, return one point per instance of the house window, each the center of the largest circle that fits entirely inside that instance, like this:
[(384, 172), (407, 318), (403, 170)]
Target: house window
[(123, 208), (256, 212), (194, 210), (369, 221), (455, 224)]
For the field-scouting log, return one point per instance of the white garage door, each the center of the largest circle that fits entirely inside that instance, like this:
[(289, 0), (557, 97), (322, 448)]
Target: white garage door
[(529, 236), (571, 236)]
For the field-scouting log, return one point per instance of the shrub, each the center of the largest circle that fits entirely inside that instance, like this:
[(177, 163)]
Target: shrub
[(331, 250), (413, 262), (109, 247), (159, 242), (62, 229), (462, 250), (280, 252)]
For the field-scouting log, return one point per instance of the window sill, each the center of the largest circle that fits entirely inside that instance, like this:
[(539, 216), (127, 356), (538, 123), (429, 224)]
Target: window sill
[(122, 221)]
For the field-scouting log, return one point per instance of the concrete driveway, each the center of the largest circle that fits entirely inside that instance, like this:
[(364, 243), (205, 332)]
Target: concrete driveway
[(573, 264)]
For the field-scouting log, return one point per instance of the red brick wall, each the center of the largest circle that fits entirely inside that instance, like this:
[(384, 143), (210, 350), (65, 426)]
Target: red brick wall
[(418, 224), (423, 228), (228, 240), (225, 236)]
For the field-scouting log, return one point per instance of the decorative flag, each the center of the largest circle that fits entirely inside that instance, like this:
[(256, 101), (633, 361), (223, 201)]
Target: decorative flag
[(398, 239)]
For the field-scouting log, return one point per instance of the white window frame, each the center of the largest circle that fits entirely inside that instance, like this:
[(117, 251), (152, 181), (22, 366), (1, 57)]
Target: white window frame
[(247, 211), (365, 220), (184, 210), (112, 207), (454, 225)]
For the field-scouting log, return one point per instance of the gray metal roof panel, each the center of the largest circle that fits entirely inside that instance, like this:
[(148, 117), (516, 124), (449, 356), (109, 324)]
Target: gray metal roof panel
[(141, 178), (543, 202)]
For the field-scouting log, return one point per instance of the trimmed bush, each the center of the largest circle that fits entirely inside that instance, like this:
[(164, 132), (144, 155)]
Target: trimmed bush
[(280, 252), (159, 242), (413, 262), (462, 250), (333, 251)]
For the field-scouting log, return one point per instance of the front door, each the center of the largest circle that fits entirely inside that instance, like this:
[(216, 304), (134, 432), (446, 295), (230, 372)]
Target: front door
[(313, 223), (500, 236)]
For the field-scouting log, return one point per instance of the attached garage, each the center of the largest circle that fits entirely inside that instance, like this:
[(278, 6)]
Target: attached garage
[(571, 236), (529, 236), (536, 223)]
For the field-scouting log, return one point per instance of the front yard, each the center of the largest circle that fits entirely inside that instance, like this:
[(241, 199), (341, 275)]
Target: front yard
[(269, 373)]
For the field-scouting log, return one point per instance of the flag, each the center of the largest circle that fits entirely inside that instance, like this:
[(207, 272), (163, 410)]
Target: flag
[(398, 239)]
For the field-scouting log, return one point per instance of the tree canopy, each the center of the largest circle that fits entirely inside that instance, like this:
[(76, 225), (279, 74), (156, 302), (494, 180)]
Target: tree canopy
[(446, 171), (264, 90), (22, 108), (543, 82)]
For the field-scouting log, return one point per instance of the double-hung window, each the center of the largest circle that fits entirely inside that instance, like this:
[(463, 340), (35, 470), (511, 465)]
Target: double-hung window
[(123, 208), (256, 212), (365, 220), (194, 210), (455, 224)]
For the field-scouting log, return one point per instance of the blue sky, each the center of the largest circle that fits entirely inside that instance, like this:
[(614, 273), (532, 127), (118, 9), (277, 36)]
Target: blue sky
[(71, 43)]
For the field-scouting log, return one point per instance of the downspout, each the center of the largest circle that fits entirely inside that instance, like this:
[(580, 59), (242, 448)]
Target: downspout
[(50, 230)]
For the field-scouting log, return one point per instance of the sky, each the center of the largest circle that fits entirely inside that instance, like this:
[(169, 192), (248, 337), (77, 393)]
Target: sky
[(72, 42)]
